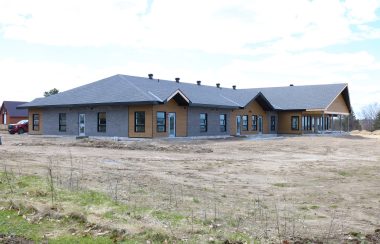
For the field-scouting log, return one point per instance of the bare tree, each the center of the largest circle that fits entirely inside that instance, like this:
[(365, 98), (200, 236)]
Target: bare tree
[(369, 114)]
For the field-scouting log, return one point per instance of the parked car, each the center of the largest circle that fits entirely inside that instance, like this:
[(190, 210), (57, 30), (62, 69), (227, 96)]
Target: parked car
[(20, 128)]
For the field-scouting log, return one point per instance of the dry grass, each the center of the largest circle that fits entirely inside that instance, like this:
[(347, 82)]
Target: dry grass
[(297, 187)]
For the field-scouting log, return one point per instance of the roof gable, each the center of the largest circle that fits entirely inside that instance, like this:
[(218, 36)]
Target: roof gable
[(179, 98), (11, 108), (303, 97)]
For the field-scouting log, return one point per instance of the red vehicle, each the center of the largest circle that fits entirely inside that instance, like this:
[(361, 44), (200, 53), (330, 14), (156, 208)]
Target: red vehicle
[(20, 128)]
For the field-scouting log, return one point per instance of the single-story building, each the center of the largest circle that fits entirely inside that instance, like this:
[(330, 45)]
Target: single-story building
[(10, 115), (129, 106)]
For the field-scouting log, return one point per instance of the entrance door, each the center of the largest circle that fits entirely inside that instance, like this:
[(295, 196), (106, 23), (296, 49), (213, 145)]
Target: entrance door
[(260, 122), (272, 123), (172, 123), (238, 128), (82, 122), (5, 118)]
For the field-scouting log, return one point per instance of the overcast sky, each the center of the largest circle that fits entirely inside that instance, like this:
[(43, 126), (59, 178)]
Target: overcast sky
[(64, 44)]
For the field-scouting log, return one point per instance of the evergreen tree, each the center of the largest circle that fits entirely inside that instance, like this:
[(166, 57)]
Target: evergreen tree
[(376, 125), (352, 122), (51, 92)]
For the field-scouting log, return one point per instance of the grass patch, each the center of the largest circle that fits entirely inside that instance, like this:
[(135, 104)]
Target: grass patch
[(281, 184), (81, 240), (109, 215), (168, 216), (34, 190), (196, 200), (306, 208), (12, 224), (344, 173), (238, 237), (93, 198), (149, 236), (86, 198)]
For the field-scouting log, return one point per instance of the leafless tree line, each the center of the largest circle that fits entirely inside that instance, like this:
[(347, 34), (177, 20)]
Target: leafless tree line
[(370, 114)]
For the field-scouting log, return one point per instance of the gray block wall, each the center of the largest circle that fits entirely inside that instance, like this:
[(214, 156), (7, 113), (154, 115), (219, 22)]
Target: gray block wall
[(117, 121), (213, 128)]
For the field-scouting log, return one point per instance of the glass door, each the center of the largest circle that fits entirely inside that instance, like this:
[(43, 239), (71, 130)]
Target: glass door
[(172, 123), (82, 124), (238, 128), (260, 122)]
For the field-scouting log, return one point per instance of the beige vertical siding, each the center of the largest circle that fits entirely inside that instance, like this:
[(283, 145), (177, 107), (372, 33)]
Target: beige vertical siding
[(181, 118), (253, 108), (285, 122), (338, 105), (39, 112), (148, 109)]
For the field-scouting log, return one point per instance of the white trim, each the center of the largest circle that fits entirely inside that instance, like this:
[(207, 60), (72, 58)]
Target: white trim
[(151, 93), (315, 110), (338, 113), (180, 93), (230, 100)]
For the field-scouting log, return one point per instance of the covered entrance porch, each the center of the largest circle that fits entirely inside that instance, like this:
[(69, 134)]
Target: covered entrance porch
[(320, 122)]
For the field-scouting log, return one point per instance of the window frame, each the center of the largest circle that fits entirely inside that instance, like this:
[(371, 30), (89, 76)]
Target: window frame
[(102, 127), (223, 126), (203, 122), (36, 126), (139, 125), (244, 122), (62, 122), (298, 123), (160, 125), (254, 122)]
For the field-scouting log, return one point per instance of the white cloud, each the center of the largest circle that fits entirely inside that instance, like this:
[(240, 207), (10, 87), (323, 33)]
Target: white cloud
[(213, 26), (293, 33), (22, 80)]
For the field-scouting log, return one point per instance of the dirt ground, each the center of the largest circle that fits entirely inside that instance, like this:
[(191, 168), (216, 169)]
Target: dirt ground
[(311, 186)]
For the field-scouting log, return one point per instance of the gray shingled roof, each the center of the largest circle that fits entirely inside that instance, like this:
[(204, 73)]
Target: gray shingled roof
[(124, 89), (11, 108), (302, 97)]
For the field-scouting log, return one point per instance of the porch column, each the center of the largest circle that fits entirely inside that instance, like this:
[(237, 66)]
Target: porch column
[(332, 123), (348, 123), (340, 121), (323, 123)]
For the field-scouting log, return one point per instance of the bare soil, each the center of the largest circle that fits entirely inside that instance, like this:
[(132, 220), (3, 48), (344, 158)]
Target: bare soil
[(310, 186)]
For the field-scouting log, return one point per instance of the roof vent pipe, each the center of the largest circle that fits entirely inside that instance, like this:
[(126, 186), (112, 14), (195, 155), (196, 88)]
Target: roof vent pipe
[(218, 85), (150, 76), (291, 85), (234, 87), (198, 82), (177, 80)]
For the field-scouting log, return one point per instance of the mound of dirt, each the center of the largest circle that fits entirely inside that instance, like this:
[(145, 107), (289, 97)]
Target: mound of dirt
[(365, 132), (143, 146)]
